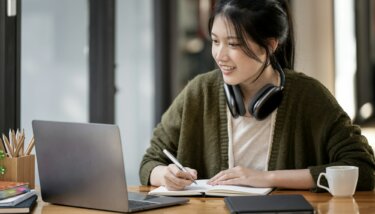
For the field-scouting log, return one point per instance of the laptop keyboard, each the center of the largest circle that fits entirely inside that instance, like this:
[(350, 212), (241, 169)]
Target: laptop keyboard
[(133, 204)]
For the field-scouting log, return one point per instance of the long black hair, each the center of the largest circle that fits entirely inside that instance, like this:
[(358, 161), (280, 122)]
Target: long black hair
[(260, 20)]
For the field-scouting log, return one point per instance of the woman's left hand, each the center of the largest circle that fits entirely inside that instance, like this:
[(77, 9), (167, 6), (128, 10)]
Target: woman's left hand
[(242, 176)]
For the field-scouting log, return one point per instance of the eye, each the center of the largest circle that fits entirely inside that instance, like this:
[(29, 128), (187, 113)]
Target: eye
[(233, 44), (215, 41)]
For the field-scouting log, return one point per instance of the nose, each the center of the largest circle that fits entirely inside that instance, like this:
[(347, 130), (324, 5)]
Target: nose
[(220, 53)]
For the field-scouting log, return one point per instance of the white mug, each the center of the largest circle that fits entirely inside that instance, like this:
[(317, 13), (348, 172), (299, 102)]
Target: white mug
[(342, 180)]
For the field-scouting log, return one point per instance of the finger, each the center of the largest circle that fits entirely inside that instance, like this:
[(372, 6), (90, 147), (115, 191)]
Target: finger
[(181, 174), (176, 180), (185, 175), (171, 185), (173, 169), (176, 183), (219, 175), (226, 175), (232, 181), (182, 179), (193, 173), (213, 179), (177, 172)]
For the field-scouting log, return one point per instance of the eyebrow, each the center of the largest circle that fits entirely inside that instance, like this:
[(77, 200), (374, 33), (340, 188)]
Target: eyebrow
[(229, 37)]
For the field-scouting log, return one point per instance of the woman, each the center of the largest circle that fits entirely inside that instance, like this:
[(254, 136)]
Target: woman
[(254, 121)]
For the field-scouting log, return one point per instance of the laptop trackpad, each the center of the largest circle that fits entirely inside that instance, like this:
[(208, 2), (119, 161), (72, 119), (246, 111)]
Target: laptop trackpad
[(140, 197)]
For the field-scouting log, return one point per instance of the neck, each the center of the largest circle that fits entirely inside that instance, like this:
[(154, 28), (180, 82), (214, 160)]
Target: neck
[(251, 87)]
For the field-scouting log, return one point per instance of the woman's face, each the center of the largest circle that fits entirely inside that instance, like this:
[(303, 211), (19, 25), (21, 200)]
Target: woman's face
[(236, 66)]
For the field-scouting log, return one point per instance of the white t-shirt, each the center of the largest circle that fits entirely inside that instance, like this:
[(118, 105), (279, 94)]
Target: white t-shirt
[(250, 141)]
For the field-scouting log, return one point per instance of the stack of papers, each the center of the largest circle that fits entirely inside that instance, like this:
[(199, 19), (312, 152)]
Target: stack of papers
[(12, 188), (25, 206), (12, 201)]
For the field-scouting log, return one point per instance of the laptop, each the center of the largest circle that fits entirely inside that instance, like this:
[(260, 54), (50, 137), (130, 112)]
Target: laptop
[(81, 165)]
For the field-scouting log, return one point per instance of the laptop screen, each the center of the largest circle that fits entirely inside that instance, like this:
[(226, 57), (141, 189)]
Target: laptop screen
[(81, 164)]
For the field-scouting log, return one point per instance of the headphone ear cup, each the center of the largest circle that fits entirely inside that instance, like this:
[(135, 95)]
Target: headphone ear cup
[(239, 100), (231, 102), (265, 101)]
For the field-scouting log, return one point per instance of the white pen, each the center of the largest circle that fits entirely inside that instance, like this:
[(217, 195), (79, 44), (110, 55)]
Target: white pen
[(175, 161)]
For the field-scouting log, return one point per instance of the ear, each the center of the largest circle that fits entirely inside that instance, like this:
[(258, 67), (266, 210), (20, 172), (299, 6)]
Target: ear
[(273, 44)]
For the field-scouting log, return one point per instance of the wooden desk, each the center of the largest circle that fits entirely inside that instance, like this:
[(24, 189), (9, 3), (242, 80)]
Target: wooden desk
[(362, 202)]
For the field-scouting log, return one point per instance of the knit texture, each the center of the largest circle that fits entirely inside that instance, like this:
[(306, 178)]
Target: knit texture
[(311, 131)]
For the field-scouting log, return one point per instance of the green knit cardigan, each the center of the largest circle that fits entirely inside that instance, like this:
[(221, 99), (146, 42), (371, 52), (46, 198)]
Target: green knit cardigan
[(311, 131)]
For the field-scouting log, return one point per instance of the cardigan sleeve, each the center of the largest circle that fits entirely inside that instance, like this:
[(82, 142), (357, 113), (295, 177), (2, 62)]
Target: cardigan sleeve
[(346, 146), (165, 136), (342, 142), (323, 134), (189, 129)]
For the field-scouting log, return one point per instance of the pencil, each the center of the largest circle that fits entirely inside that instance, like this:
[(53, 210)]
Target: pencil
[(8, 146), (20, 144), (23, 139), (12, 139), (18, 148), (30, 146), (18, 134)]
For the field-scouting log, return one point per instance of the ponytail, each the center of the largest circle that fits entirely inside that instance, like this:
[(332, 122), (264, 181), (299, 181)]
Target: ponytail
[(286, 51)]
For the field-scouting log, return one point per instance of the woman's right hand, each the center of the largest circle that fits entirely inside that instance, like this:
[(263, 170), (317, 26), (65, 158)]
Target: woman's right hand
[(172, 177)]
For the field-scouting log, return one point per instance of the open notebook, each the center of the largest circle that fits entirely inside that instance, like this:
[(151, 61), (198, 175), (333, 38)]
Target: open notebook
[(202, 188)]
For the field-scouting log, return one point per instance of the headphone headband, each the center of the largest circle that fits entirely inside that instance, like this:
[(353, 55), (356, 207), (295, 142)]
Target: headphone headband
[(264, 102), (282, 74)]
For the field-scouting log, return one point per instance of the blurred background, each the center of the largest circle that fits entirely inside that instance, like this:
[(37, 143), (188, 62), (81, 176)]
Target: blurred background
[(123, 61)]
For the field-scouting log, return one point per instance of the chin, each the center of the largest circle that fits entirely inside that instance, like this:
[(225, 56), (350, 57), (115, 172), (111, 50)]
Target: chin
[(230, 81)]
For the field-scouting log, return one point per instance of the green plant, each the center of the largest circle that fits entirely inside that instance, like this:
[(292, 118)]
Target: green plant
[(2, 168)]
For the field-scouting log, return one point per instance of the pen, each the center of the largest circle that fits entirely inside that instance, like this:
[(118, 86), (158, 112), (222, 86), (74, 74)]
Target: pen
[(175, 161)]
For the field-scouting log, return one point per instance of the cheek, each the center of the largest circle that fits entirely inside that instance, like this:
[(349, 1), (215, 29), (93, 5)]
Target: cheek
[(261, 53), (246, 63), (213, 52)]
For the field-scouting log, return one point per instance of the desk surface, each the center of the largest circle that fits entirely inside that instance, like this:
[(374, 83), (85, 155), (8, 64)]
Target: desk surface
[(362, 202)]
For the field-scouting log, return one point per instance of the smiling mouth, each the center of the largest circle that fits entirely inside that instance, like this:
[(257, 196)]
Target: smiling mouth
[(227, 69)]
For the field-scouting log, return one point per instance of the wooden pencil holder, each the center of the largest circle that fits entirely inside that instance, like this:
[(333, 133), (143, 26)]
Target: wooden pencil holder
[(20, 169)]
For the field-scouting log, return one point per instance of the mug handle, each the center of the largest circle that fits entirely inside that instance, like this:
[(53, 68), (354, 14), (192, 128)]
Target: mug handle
[(318, 182)]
